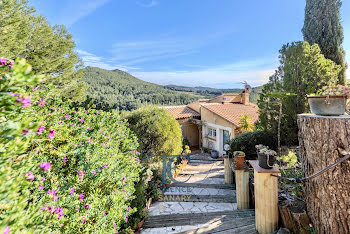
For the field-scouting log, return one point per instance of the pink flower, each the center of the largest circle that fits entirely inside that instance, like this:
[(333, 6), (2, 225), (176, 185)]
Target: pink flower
[(71, 192), (66, 116), (30, 176), (40, 129), (24, 101), (7, 229), (123, 178), (25, 131), (81, 174), (77, 210), (81, 120), (81, 197), (43, 179), (38, 152), (45, 166), (85, 111), (87, 206), (90, 140), (11, 64), (94, 172), (41, 187), (65, 159), (3, 61), (126, 219), (83, 221), (51, 134)]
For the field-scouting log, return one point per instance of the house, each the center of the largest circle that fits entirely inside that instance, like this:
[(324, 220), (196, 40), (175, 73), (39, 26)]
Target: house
[(212, 122)]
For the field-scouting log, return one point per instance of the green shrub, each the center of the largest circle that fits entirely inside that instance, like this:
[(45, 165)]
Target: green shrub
[(246, 142), (82, 173), (157, 130)]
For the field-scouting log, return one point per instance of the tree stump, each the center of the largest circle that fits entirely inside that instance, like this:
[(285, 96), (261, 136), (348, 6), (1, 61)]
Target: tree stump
[(328, 195)]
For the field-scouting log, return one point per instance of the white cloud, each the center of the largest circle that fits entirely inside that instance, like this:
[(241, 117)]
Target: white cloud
[(78, 9), (92, 60), (152, 3)]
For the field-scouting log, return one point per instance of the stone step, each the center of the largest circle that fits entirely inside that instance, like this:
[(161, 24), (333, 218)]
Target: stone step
[(175, 197), (195, 161), (220, 171), (195, 218), (198, 191), (163, 208), (204, 157), (200, 180), (187, 174), (200, 185)]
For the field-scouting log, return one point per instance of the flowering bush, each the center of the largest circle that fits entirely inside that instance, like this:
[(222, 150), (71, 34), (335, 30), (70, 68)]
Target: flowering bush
[(80, 173)]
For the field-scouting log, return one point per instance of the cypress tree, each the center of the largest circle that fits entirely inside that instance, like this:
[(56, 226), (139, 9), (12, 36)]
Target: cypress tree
[(322, 26)]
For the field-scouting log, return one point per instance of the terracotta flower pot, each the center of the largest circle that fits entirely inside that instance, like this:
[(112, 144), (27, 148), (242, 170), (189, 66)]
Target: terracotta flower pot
[(240, 161)]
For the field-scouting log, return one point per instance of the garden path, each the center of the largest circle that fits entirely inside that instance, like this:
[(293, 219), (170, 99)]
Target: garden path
[(203, 204)]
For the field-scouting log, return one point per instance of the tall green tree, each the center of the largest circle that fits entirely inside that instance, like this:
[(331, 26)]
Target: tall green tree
[(49, 49), (303, 70), (322, 26)]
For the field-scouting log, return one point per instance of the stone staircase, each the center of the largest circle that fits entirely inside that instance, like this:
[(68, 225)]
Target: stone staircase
[(203, 204)]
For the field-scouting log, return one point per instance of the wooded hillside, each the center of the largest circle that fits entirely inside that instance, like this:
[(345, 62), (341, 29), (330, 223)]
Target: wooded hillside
[(120, 90)]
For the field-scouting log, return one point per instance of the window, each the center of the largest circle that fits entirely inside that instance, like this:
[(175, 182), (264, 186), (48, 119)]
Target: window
[(225, 99), (212, 132)]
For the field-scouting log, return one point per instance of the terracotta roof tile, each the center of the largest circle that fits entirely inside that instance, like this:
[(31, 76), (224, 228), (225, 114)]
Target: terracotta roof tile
[(232, 112), (182, 112)]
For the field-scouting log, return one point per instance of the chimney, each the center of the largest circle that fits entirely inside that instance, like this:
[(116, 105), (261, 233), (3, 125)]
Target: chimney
[(245, 98)]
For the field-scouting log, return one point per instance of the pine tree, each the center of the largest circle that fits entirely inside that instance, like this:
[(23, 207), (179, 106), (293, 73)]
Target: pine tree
[(322, 26), (49, 49), (303, 70)]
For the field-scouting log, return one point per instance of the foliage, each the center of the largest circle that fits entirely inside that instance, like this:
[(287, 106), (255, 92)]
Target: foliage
[(264, 150), (322, 26), (238, 153), (81, 173), (186, 150), (338, 90), (246, 123), (290, 159), (49, 49), (157, 130), (185, 141), (14, 142), (120, 90), (246, 142), (303, 70)]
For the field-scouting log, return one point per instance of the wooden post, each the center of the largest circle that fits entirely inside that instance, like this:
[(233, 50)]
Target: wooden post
[(266, 198), (228, 170), (242, 188), (328, 195)]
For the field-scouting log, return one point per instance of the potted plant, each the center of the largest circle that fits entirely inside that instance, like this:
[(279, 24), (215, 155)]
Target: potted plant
[(239, 158), (266, 157), (330, 100), (214, 153)]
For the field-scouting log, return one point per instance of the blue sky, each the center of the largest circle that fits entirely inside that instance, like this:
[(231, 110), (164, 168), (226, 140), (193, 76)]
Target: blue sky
[(216, 43)]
